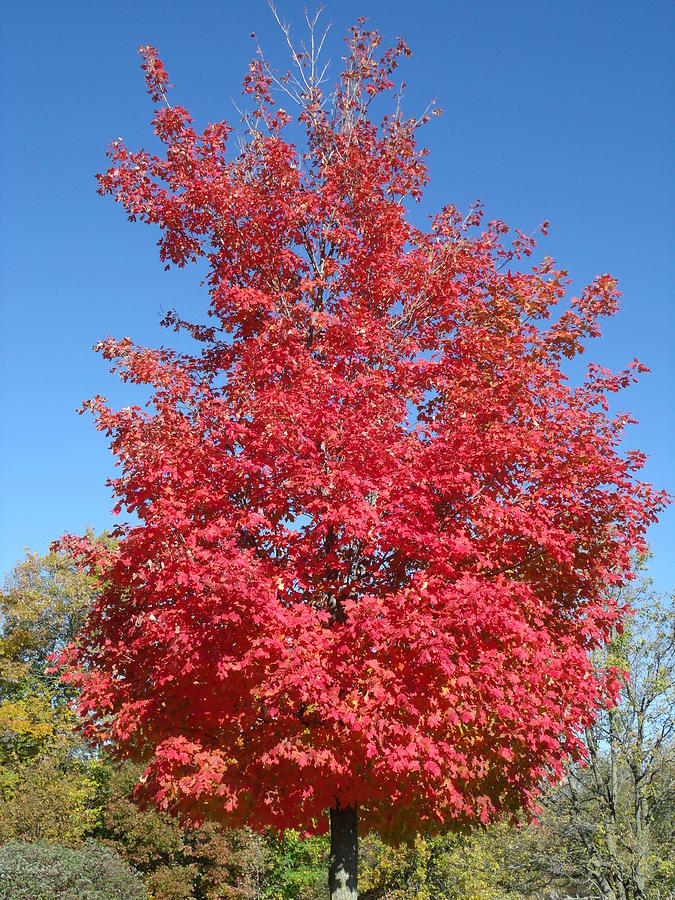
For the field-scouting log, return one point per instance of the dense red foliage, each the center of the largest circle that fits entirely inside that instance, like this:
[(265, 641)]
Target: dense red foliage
[(377, 525)]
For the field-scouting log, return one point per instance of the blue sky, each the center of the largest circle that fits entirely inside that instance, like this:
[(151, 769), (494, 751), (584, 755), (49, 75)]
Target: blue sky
[(551, 111)]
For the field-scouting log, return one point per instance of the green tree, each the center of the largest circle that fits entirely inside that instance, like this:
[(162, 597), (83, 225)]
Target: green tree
[(609, 826), (45, 800), (456, 866), (43, 601), (297, 866), (46, 785)]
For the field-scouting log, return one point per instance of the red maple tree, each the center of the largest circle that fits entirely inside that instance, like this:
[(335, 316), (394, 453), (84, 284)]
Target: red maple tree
[(376, 523)]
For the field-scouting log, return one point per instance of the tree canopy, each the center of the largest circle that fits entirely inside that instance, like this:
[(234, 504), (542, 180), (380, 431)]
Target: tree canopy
[(377, 527)]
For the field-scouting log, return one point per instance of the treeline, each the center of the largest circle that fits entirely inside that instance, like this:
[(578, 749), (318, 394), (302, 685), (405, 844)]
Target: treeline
[(69, 825)]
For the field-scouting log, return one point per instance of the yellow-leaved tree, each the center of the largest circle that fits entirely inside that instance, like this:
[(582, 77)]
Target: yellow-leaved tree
[(47, 786)]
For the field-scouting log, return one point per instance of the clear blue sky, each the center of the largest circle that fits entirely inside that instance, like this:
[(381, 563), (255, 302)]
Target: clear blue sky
[(552, 110)]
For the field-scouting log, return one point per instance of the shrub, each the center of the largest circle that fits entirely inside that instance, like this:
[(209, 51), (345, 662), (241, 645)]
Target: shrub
[(53, 872)]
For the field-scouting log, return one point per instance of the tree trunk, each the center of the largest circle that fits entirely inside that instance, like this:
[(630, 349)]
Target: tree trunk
[(344, 854)]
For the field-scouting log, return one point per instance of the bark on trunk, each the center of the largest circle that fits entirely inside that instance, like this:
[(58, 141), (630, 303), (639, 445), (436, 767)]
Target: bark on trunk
[(344, 854)]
